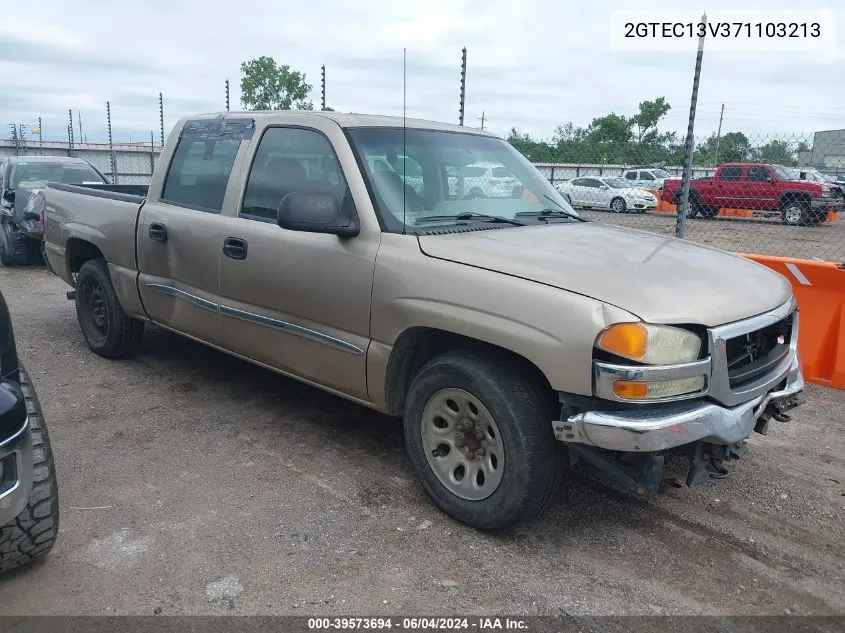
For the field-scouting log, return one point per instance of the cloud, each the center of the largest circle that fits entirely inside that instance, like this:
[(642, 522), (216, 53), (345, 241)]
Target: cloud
[(533, 65)]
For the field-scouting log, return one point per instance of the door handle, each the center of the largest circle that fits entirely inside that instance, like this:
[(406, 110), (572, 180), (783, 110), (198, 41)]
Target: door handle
[(234, 247), (158, 232)]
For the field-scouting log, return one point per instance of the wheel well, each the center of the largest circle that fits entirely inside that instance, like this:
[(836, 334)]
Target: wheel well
[(79, 251), (416, 346), (802, 198)]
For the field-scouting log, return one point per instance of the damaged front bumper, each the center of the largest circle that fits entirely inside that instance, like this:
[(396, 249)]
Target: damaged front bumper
[(663, 427)]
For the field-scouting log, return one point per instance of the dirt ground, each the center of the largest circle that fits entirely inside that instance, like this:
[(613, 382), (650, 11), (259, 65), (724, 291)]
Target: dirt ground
[(193, 483)]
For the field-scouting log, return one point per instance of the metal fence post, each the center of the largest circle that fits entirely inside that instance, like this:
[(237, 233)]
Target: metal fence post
[(683, 203), (111, 145), (463, 85), (161, 116), (152, 154), (40, 138), (70, 133)]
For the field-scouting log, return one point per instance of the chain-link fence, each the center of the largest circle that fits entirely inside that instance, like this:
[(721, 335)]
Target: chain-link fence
[(772, 195), (767, 195)]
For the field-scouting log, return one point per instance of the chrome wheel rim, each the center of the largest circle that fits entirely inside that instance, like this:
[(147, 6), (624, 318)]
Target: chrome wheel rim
[(793, 215), (617, 205), (462, 444)]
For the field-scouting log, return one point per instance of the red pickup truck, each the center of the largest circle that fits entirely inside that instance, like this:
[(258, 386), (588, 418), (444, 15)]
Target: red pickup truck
[(773, 189)]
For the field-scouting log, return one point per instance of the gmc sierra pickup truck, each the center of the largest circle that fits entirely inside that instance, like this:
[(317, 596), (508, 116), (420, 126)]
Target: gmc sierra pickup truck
[(503, 330), (764, 188)]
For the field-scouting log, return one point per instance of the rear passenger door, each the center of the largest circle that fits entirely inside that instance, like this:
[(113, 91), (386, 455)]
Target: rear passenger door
[(727, 188), (179, 230), (759, 188), (295, 301)]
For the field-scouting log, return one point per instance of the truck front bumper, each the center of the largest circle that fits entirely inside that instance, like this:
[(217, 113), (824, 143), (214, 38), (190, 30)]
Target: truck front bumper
[(15, 473), (662, 427)]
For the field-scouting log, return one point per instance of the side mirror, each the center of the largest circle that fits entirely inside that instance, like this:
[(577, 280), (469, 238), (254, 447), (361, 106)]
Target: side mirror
[(770, 178), (315, 213), (12, 408)]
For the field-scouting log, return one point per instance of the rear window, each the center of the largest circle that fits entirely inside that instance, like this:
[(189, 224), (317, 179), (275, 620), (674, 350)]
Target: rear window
[(35, 175)]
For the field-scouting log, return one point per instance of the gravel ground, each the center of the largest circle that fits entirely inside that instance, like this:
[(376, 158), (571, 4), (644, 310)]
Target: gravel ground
[(758, 235), (193, 483)]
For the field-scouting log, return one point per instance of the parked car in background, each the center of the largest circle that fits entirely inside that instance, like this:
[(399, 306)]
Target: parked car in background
[(29, 501), (646, 177), (772, 189), (488, 180), (22, 179), (606, 193), (496, 328)]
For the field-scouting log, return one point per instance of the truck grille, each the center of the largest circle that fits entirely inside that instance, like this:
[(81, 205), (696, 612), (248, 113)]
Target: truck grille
[(752, 355)]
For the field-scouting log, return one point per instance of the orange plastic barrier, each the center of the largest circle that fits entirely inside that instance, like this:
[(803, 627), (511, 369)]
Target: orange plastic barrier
[(819, 288), (667, 207)]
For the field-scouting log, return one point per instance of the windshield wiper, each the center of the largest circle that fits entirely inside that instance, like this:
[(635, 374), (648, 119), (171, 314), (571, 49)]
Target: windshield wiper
[(469, 215), (550, 213)]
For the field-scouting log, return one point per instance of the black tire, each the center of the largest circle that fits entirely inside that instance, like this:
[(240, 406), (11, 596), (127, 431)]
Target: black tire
[(107, 329), (617, 205), (708, 212), (522, 413), (31, 535), (794, 212), (13, 246), (694, 204), (475, 194)]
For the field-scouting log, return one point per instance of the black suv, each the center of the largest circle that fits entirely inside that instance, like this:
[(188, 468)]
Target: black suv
[(29, 504)]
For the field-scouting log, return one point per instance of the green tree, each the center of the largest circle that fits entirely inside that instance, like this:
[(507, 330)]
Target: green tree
[(648, 117), (731, 148), (775, 152), (266, 85), (611, 128)]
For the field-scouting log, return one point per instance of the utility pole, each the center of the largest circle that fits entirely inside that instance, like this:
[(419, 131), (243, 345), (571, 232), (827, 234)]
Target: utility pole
[(718, 136), (70, 133), (79, 117), (227, 95), (463, 84), (482, 117), (323, 83), (40, 138)]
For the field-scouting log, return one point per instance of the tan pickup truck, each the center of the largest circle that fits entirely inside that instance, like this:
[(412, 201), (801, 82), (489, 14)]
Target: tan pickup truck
[(510, 334)]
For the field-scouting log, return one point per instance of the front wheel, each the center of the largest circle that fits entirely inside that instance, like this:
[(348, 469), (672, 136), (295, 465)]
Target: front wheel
[(31, 535), (617, 205), (794, 213), (478, 435), (107, 329)]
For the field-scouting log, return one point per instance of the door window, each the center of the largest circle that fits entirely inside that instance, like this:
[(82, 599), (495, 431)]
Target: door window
[(758, 174), (731, 173), (292, 160), (199, 172)]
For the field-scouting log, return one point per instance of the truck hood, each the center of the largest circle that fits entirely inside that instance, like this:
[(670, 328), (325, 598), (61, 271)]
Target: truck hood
[(659, 279)]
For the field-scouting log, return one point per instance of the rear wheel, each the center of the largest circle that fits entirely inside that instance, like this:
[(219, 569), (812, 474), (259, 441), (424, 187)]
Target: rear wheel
[(708, 211), (475, 194), (692, 208), (107, 329), (13, 246), (478, 435)]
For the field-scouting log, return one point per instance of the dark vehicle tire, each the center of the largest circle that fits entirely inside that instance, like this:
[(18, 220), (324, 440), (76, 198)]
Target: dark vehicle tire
[(464, 402), (475, 194), (31, 535), (617, 205), (708, 212), (13, 247), (107, 329), (694, 204), (794, 212)]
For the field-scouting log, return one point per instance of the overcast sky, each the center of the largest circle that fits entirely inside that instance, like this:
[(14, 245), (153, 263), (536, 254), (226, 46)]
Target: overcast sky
[(533, 65)]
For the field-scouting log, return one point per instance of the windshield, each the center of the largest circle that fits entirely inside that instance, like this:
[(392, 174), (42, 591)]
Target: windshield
[(786, 173), (661, 173), (458, 174), (616, 183), (36, 175)]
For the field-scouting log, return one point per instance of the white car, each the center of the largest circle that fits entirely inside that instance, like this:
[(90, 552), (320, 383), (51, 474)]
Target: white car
[(645, 177), (487, 180), (607, 193)]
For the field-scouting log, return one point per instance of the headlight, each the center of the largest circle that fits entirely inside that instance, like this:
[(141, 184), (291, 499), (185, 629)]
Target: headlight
[(827, 194), (650, 344)]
